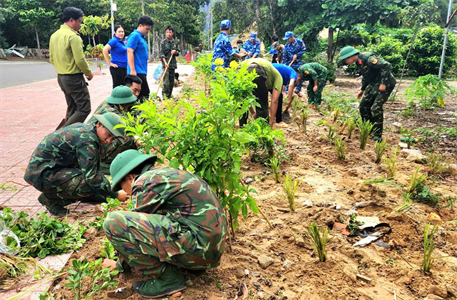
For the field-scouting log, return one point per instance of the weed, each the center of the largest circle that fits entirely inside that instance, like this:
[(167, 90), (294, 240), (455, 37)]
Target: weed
[(340, 149), (409, 139), (365, 128), (290, 186), (331, 132), (304, 119), (378, 180), (318, 240), (451, 132), (390, 261), (416, 180), (321, 122), (336, 113), (353, 225), (406, 206), (429, 90), (436, 163), (5, 186), (391, 164), (108, 250), (351, 127), (422, 193), (429, 246), (274, 164), (380, 148)]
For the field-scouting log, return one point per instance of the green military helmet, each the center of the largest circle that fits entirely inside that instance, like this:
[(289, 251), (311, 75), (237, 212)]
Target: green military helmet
[(121, 95), (348, 51), (109, 121), (124, 163)]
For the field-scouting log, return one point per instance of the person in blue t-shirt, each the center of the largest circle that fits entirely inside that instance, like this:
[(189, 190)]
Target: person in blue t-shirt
[(137, 54), (289, 77), (118, 62)]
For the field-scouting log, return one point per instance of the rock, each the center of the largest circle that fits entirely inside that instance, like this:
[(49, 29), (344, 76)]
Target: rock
[(287, 264), (90, 232), (245, 168), (416, 157), (403, 145), (438, 291), (337, 207), (256, 274), (265, 261), (433, 297), (248, 180), (189, 283), (256, 284), (451, 290), (396, 127), (246, 272), (433, 218), (56, 288), (363, 278), (239, 273), (176, 295), (308, 203), (301, 243)]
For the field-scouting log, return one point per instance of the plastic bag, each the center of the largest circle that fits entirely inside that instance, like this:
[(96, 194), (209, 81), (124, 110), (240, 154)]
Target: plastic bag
[(4, 234)]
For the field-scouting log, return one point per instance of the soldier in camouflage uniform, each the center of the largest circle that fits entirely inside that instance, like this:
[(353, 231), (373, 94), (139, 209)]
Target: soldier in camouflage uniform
[(65, 165), (169, 47), (377, 85), (316, 74), (120, 102), (177, 221)]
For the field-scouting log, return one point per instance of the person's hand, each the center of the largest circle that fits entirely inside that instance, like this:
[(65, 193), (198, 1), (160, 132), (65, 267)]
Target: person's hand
[(138, 144), (254, 116), (360, 94), (315, 88), (272, 122), (249, 53), (89, 78), (165, 65), (113, 65), (294, 57), (133, 73), (109, 263), (382, 88), (174, 52), (122, 196)]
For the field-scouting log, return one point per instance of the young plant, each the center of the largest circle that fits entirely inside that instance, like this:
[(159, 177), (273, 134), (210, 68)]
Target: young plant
[(340, 149), (429, 246), (436, 163), (365, 128), (409, 139), (304, 119), (380, 148), (351, 126), (331, 132), (108, 250), (391, 164), (416, 180), (353, 224), (98, 278), (318, 240), (406, 206), (274, 164), (336, 113), (290, 186), (296, 106)]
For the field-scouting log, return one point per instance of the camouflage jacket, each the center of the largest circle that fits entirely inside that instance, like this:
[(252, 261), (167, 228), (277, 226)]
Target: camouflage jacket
[(253, 48), (73, 147), (297, 48), (165, 52), (183, 197), (374, 70), (313, 71), (222, 49)]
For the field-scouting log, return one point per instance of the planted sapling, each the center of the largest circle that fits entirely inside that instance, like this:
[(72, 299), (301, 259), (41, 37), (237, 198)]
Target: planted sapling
[(318, 240), (274, 164), (391, 164), (304, 119), (429, 246), (290, 186), (351, 126), (416, 180), (340, 149), (365, 128), (380, 147), (108, 250)]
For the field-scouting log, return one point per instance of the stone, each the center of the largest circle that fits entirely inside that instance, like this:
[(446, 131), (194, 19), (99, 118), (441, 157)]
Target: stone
[(189, 283), (90, 232), (416, 157), (451, 290), (403, 145), (239, 273), (308, 203), (256, 274), (265, 261), (337, 207), (287, 264), (248, 180), (246, 272), (256, 284), (438, 291), (363, 278)]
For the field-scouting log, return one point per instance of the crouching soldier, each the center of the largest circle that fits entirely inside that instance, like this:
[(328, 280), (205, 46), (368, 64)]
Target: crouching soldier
[(316, 74), (120, 102), (177, 221), (65, 165)]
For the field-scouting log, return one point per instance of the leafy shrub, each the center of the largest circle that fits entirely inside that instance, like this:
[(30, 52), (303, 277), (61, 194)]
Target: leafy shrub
[(392, 50), (429, 90)]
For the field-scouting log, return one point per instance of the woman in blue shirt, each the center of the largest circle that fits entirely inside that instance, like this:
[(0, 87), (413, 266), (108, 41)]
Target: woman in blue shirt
[(118, 62)]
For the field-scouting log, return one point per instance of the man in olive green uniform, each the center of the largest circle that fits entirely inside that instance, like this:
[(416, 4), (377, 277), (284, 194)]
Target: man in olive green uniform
[(65, 165), (67, 55), (377, 85), (177, 221), (169, 47), (316, 74), (120, 103)]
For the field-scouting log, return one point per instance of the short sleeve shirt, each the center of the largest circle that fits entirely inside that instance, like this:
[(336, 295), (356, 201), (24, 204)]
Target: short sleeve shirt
[(118, 52), (137, 42), (286, 72), (274, 78)]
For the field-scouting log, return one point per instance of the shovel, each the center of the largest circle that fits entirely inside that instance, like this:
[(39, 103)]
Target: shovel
[(163, 76)]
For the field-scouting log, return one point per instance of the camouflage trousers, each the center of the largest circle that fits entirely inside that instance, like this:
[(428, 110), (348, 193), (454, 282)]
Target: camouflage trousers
[(68, 185), (371, 106), (108, 152), (150, 242), (168, 83), (315, 97)]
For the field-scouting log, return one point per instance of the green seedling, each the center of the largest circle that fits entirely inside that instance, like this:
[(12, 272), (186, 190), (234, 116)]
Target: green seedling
[(436, 163), (274, 164), (365, 128), (378, 180), (108, 250), (409, 139), (416, 180), (318, 240), (290, 186), (304, 119), (351, 126), (429, 247), (406, 206), (296, 107), (331, 132), (380, 148), (391, 164), (340, 149), (336, 113)]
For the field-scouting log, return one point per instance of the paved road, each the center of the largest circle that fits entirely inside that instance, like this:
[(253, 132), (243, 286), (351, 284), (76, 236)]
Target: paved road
[(14, 73)]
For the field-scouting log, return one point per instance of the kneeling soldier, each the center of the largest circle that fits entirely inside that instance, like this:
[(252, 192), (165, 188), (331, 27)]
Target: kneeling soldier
[(177, 221), (316, 74), (65, 165)]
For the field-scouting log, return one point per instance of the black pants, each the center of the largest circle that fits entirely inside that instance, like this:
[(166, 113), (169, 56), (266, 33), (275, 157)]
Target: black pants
[(144, 95), (261, 93), (273, 60), (118, 75), (76, 93), (279, 110)]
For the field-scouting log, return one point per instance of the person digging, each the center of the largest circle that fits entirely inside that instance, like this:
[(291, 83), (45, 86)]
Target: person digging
[(65, 165), (316, 75), (177, 221)]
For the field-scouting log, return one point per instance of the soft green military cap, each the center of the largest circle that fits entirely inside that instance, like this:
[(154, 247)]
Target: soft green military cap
[(124, 163), (109, 121), (121, 95), (348, 51)]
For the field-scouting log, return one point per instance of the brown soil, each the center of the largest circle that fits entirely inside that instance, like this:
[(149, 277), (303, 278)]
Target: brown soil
[(334, 187)]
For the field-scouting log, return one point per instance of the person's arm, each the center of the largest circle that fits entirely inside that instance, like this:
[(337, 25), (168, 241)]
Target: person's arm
[(51, 52), (106, 50), (132, 44), (315, 85), (385, 70), (302, 49), (257, 50), (76, 44), (273, 107), (290, 94)]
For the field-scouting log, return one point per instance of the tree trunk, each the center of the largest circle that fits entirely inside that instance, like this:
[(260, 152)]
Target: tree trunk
[(38, 43), (257, 11), (182, 43), (272, 18), (330, 45), (93, 39)]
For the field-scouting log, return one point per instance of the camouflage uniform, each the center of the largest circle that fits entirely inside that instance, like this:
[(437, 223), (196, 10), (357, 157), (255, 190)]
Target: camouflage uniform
[(311, 72), (222, 49), (109, 151), (297, 48), (177, 220), (169, 79), (65, 166), (253, 48), (375, 71)]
